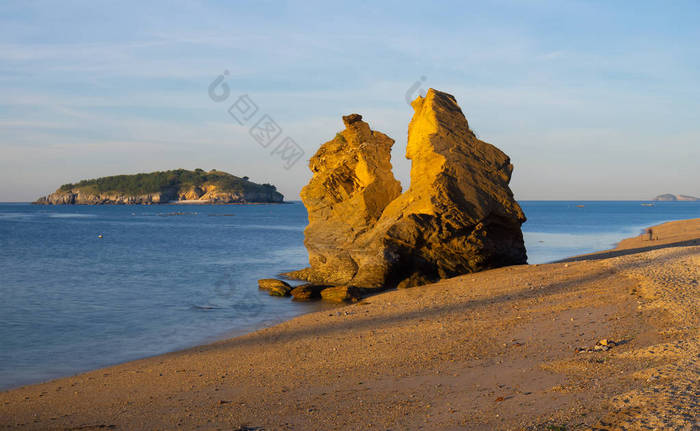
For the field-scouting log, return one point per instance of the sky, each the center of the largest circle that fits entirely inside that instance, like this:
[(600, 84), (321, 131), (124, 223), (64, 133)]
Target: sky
[(591, 100)]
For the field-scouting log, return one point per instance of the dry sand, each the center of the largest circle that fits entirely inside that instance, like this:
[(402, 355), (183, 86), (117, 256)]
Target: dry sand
[(493, 350)]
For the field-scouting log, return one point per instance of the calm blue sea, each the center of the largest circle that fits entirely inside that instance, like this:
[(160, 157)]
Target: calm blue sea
[(163, 278)]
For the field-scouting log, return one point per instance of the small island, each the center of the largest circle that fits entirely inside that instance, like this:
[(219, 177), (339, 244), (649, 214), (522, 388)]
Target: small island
[(162, 187), (671, 197)]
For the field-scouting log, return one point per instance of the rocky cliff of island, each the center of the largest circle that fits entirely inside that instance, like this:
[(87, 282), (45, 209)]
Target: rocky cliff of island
[(671, 197), (161, 187), (458, 215)]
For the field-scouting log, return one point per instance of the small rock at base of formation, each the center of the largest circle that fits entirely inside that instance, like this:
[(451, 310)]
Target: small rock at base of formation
[(275, 287), (307, 292), (300, 274), (279, 291), (341, 294)]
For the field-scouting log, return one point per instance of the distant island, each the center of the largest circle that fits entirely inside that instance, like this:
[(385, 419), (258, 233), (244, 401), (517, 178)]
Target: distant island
[(162, 187), (670, 197)]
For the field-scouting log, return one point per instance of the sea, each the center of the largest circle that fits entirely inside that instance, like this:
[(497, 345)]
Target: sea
[(83, 287)]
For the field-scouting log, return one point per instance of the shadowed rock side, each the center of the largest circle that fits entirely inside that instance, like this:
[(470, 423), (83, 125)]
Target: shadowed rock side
[(351, 186), (458, 216)]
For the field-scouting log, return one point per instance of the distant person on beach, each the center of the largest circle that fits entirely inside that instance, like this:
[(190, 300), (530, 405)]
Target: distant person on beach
[(650, 234)]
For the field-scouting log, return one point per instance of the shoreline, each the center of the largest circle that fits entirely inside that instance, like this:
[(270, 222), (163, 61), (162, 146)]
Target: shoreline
[(639, 244), (287, 337), (272, 321), (267, 323)]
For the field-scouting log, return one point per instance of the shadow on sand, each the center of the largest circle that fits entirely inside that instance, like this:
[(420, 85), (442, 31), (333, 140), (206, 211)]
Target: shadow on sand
[(326, 328), (615, 253)]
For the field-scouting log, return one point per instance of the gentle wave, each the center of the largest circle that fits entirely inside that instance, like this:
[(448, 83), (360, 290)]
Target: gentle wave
[(72, 215), (16, 215), (205, 307)]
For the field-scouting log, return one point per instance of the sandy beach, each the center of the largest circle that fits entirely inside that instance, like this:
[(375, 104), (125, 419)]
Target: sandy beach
[(511, 348)]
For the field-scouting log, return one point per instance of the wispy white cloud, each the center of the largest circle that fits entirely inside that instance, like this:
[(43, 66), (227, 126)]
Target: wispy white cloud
[(108, 90)]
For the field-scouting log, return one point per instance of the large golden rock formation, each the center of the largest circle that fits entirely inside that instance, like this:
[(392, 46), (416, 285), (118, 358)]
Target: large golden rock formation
[(351, 186), (458, 215)]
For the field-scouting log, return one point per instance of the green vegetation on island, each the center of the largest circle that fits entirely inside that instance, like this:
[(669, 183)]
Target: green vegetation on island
[(154, 182), (165, 186)]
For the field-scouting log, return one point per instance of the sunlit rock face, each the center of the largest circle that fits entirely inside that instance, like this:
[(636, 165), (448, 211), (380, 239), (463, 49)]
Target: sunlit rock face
[(351, 186), (458, 215)]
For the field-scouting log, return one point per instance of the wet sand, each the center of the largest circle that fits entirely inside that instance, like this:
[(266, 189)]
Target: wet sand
[(501, 349)]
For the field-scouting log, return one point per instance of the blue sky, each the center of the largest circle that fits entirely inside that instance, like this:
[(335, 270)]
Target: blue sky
[(592, 100)]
